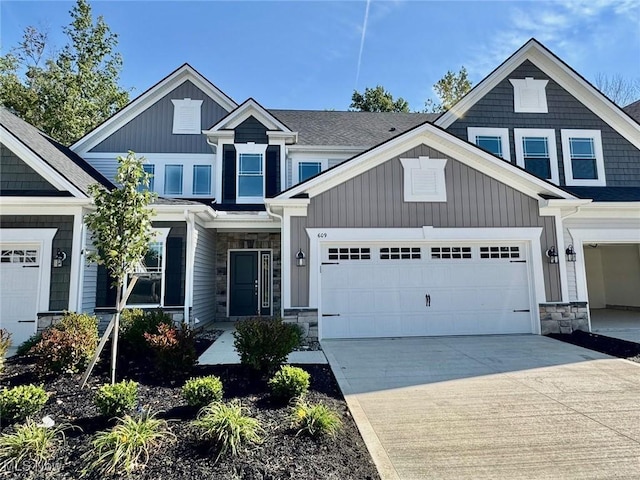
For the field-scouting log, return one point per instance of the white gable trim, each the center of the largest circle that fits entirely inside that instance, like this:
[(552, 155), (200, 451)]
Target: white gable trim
[(440, 140), (40, 166), (146, 100), (563, 76), (246, 110)]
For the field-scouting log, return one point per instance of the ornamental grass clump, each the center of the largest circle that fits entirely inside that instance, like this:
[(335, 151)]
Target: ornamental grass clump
[(30, 445), (227, 427), (289, 382), (199, 392), (316, 420), (18, 403), (127, 447), (117, 399), (5, 343)]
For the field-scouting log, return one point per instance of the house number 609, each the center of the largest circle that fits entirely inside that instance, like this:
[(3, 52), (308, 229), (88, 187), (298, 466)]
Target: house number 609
[(322, 235)]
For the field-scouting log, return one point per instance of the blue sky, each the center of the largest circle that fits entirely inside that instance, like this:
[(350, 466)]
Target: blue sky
[(311, 55)]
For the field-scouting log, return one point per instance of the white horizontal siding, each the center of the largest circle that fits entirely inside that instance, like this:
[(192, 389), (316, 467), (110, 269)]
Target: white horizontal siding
[(204, 275)]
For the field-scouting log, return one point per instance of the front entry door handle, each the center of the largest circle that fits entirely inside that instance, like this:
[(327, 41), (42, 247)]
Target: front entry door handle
[(427, 300)]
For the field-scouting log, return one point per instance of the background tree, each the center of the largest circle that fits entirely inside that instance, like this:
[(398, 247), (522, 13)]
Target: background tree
[(622, 91), (121, 231), (68, 93), (449, 89), (377, 100)]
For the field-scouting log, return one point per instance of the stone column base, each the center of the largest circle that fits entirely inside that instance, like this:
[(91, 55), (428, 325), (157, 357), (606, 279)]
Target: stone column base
[(306, 318), (564, 317)]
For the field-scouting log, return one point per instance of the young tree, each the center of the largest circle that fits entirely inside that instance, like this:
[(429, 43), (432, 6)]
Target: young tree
[(377, 100), (449, 89), (70, 92), (121, 231), (622, 91)]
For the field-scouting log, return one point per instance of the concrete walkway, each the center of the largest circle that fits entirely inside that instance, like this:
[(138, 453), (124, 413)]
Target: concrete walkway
[(499, 407), (222, 351), (624, 324)]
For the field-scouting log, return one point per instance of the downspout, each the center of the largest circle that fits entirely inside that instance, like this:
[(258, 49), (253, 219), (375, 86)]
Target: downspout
[(282, 270), (190, 253)]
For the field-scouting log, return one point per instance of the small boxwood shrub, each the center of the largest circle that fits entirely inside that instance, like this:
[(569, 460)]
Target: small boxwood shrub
[(264, 344), (199, 392), (117, 399), (135, 323), (174, 349), (316, 420), (68, 345), (5, 343), (18, 403), (289, 382)]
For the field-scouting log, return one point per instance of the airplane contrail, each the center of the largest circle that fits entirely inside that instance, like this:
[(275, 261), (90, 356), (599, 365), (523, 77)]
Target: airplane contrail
[(364, 33)]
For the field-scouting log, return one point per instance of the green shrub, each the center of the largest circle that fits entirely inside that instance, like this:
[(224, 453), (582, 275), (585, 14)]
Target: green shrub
[(289, 382), (199, 392), (25, 347), (227, 427), (316, 420), (5, 343), (264, 344), (117, 399), (174, 349), (134, 324), (127, 446), (31, 444), (18, 403), (68, 345)]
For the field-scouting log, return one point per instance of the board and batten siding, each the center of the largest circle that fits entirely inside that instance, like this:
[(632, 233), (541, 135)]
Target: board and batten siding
[(204, 275), (90, 280), (495, 109), (374, 199), (151, 131)]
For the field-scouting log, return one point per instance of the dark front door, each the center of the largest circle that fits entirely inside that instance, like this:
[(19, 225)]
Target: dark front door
[(250, 283)]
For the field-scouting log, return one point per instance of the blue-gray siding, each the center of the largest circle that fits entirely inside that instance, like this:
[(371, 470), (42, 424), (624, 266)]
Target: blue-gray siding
[(16, 176), (90, 279), (204, 275), (251, 130), (60, 277), (150, 132), (374, 199), (495, 109)]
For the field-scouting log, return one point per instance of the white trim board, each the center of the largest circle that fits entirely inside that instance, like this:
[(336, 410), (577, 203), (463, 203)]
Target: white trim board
[(249, 108)]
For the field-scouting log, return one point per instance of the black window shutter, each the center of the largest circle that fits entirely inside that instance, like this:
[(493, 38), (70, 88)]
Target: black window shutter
[(173, 282), (105, 292), (229, 174), (272, 179)]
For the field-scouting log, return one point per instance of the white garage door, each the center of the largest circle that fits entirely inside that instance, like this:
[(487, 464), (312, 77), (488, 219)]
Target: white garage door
[(19, 279), (376, 290)]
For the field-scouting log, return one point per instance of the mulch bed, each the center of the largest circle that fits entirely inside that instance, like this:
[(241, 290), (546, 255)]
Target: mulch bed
[(281, 455), (603, 344)]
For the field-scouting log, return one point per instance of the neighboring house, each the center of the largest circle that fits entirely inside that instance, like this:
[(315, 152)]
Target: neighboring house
[(386, 224), (43, 198)]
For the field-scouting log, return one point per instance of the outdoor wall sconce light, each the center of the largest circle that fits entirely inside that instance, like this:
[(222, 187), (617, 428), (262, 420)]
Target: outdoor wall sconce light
[(571, 254), (59, 257), (301, 258), (552, 254)]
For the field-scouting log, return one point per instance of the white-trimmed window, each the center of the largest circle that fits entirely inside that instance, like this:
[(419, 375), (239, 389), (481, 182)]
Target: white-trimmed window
[(150, 287), (201, 180), (149, 168), (536, 152), (305, 169), (529, 95), (250, 177), (173, 179), (494, 140), (187, 116), (424, 179), (582, 157)]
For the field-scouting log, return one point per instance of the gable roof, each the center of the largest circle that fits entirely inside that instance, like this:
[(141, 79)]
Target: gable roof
[(147, 99), (52, 160), (248, 108), (563, 75), (441, 140), (349, 129), (633, 110)]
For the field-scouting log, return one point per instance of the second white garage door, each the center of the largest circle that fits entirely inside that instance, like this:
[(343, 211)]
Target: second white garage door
[(389, 290)]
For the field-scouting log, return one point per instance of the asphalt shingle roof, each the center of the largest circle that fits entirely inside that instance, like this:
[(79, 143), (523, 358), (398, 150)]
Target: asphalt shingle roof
[(633, 110), (348, 129), (73, 168), (607, 194)]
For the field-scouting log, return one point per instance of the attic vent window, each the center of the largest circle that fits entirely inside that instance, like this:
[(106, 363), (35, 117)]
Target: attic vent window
[(424, 179), (529, 95), (186, 116)]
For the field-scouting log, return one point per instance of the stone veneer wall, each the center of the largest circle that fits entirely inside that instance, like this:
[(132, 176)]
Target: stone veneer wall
[(238, 241), (307, 319), (564, 317)]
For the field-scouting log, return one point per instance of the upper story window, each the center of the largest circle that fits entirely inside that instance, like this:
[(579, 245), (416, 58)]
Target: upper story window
[(424, 179), (582, 157), (536, 152), (173, 179), (201, 180), (250, 177), (186, 116), (305, 169), (529, 95), (151, 170), (180, 175), (494, 140)]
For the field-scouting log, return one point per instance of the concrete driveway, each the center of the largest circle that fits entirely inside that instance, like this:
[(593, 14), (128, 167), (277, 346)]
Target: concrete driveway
[(500, 407)]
